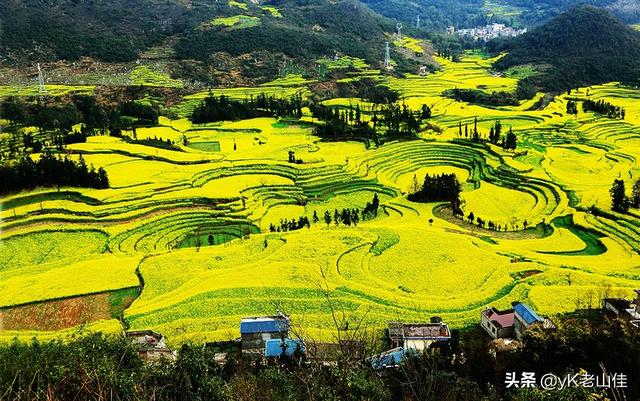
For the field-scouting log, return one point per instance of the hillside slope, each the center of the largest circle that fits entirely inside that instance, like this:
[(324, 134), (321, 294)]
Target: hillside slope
[(120, 30), (304, 30), (112, 31), (582, 46)]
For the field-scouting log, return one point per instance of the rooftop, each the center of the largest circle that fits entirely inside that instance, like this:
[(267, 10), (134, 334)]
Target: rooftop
[(526, 313), (264, 324), (619, 304), (389, 358), (501, 318), (419, 330)]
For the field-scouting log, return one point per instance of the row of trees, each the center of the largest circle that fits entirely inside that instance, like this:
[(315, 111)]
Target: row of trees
[(620, 202), (482, 223), (341, 124), (476, 96), (50, 171), (348, 217), (572, 107), (507, 142), (81, 109), (29, 142), (290, 225), (223, 108), (604, 108), (398, 121)]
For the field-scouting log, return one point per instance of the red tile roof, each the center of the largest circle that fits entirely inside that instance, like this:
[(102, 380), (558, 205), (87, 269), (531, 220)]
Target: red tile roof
[(501, 318)]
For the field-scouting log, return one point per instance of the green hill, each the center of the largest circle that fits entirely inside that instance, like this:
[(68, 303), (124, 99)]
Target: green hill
[(207, 41), (116, 30), (583, 46), (120, 30), (304, 30)]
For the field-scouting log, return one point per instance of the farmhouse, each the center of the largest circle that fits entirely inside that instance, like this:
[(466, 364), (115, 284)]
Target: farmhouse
[(525, 317), (151, 345), (498, 324), (418, 336), (256, 331)]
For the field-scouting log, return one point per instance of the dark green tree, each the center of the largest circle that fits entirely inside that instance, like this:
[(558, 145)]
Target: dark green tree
[(511, 140), (635, 194), (619, 199), (327, 217)]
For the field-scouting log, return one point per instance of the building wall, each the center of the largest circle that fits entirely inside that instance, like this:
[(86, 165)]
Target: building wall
[(418, 345), (486, 324), (519, 327), (505, 332), (257, 341)]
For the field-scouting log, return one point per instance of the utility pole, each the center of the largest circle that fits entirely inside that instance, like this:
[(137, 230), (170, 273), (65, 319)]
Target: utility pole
[(42, 90), (399, 28), (418, 22), (387, 56)]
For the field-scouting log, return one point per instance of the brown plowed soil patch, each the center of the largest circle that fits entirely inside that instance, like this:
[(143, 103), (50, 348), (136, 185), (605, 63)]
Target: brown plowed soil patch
[(63, 313)]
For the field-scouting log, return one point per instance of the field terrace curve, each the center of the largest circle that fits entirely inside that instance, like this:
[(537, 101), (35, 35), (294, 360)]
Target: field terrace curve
[(149, 232)]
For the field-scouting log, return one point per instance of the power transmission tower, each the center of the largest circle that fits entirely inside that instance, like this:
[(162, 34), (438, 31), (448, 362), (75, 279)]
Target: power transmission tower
[(387, 56), (43, 89), (399, 27), (418, 22)]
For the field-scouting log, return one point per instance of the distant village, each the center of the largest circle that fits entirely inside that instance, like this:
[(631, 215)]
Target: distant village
[(268, 338), (487, 32)]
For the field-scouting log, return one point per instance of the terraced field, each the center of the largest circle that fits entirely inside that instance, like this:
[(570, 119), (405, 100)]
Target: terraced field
[(190, 228)]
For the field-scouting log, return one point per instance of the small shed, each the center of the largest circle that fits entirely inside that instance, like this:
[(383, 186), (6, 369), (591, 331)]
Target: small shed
[(256, 331), (151, 345)]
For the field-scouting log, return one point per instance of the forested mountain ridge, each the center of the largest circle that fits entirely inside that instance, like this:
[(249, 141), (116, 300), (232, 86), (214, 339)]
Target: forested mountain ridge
[(112, 31), (439, 14), (240, 42), (583, 46), (306, 29), (120, 30), (213, 43)]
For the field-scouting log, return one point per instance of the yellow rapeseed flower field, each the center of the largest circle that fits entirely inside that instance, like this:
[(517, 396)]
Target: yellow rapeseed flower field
[(194, 220)]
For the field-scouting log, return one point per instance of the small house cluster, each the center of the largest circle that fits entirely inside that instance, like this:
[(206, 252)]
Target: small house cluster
[(512, 323), (264, 338), (488, 32)]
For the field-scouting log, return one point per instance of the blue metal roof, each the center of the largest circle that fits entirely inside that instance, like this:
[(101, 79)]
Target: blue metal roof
[(527, 314), (264, 325), (274, 347), (389, 358)]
